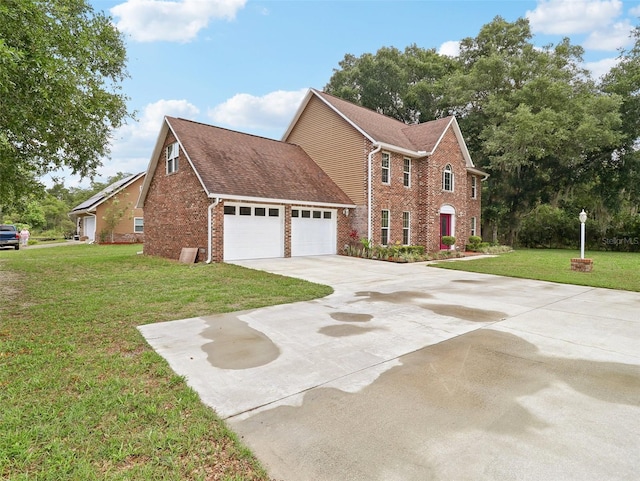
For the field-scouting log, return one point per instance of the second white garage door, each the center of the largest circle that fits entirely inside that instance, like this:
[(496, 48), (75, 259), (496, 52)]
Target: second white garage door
[(313, 231), (253, 231)]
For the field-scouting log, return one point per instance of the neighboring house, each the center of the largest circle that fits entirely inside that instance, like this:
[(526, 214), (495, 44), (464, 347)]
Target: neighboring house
[(93, 215), (239, 196)]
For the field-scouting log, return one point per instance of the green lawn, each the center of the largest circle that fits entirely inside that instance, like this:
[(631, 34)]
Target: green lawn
[(614, 270), (82, 396)]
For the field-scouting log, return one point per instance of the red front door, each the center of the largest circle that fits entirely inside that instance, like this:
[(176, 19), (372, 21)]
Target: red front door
[(445, 228)]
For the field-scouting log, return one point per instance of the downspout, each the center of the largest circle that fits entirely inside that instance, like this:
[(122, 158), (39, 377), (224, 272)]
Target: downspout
[(369, 190), (210, 226)]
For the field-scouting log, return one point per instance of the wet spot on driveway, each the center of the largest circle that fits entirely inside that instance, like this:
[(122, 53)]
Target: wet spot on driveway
[(235, 344), (351, 317), (466, 313), (345, 330), (461, 397), (399, 297)]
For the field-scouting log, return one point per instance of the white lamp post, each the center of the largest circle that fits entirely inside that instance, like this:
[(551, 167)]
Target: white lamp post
[(583, 219)]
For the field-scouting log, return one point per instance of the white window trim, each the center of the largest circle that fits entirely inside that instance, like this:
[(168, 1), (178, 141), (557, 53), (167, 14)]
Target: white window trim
[(386, 155), (384, 228), (406, 229), (406, 172), (474, 187), (474, 226), (172, 152), (448, 169), (136, 225)]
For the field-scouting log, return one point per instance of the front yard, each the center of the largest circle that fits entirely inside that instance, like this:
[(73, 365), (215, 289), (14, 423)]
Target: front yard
[(83, 396), (613, 270)]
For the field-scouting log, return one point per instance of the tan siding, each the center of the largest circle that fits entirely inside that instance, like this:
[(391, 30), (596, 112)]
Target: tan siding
[(334, 145)]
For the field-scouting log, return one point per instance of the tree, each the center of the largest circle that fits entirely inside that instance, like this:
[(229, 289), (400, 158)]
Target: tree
[(61, 65), (394, 83), (114, 214)]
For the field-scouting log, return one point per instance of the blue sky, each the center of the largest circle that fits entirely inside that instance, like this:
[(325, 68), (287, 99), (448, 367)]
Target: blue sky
[(245, 65)]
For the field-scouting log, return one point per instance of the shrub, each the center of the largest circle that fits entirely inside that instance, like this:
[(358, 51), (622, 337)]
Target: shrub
[(448, 240)]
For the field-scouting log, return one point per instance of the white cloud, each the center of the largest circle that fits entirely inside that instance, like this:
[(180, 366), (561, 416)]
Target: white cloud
[(601, 67), (635, 11), (564, 17), (613, 38), (450, 48), (272, 111), (173, 21)]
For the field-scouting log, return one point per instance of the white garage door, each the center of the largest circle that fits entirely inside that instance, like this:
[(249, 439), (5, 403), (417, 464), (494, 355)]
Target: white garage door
[(313, 231), (253, 231)]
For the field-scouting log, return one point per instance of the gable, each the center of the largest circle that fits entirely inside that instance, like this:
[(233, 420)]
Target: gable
[(234, 165), (415, 140), (108, 192), (334, 144)]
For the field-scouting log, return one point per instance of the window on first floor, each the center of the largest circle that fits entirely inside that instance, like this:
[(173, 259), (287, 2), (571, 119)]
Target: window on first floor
[(384, 222), (474, 228), (138, 225), (406, 223), (447, 178)]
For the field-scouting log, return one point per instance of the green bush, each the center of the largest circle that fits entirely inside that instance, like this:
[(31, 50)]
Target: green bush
[(448, 240)]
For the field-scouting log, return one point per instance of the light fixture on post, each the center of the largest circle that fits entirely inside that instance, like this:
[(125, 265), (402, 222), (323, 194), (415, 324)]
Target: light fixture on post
[(582, 264), (583, 219)]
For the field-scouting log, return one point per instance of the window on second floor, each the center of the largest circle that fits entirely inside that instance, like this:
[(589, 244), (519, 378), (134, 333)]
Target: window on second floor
[(384, 222), (447, 178), (474, 187), (407, 172), (386, 167), (172, 157)]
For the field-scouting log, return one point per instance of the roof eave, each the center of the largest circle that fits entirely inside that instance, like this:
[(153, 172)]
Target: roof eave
[(267, 200)]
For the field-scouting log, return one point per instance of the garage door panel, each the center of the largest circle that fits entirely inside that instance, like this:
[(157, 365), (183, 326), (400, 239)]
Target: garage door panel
[(253, 236), (313, 234)]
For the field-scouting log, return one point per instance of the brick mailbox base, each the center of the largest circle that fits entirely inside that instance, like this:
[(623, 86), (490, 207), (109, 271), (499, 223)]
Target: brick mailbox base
[(582, 265)]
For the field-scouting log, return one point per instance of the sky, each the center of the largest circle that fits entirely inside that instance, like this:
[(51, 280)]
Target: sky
[(245, 65)]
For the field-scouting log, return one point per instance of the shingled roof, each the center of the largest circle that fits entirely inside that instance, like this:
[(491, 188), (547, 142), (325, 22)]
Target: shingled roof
[(417, 139), (235, 165)]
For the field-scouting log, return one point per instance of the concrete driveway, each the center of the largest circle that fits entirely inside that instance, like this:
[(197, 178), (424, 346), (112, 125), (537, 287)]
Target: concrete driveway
[(409, 373)]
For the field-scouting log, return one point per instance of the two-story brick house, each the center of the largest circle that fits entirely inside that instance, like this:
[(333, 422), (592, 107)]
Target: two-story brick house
[(339, 169), (411, 183)]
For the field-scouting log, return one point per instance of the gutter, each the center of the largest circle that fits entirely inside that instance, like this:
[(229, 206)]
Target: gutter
[(369, 189), (210, 227)]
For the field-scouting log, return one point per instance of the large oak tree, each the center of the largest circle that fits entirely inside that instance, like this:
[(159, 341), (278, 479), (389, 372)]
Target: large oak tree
[(61, 68)]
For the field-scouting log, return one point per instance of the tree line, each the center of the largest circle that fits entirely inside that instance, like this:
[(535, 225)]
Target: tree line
[(553, 139)]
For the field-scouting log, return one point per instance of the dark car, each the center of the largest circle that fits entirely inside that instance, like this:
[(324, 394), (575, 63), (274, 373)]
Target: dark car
[(9, 236)]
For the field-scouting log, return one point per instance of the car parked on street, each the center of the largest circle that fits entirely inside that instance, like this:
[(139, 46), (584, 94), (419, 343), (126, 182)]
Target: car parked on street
[(9, 236)]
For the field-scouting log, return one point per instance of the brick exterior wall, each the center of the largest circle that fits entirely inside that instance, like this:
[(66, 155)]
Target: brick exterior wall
[(424, 198), (175, 210)]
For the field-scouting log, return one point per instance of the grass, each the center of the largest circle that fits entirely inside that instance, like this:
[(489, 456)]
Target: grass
[(613, 270), (83, 396)]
